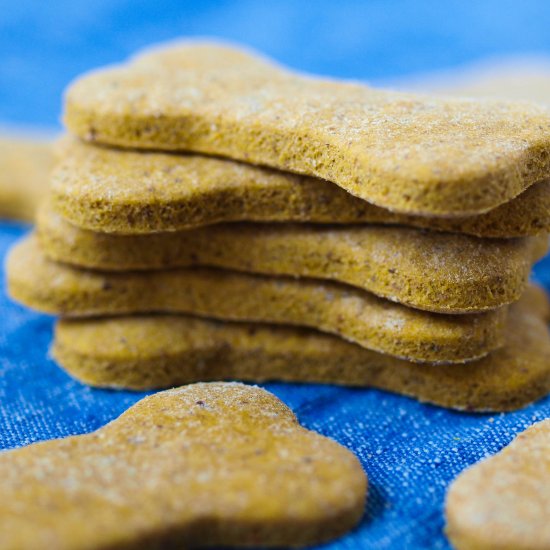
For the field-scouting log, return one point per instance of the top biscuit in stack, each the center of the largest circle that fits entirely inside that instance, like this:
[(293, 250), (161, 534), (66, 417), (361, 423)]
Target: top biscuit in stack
[(407, 153), (438, 207)]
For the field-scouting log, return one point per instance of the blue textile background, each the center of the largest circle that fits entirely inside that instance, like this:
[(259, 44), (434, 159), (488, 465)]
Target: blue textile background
[(410, 451)]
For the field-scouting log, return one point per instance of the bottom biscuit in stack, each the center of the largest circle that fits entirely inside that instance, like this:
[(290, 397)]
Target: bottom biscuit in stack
[(149, 351)]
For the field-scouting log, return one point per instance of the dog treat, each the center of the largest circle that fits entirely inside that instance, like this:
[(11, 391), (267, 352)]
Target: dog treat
[(25, 165), (351, 313), (202, 465), (432, 271), (162, 351), (127, 192), (409, 153), (503, 502)]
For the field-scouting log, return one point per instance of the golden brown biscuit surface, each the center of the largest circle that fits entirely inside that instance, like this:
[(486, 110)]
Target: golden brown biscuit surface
[(352, 313), (149, 351), (201, 465), (503, 502), (117, 191), (408, 153), (431, 271)]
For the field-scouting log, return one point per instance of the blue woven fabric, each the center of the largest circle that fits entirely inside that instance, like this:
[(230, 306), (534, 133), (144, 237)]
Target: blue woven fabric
[(410, 451)]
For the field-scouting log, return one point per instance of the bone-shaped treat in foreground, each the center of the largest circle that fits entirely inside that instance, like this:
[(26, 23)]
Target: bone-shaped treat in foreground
[(202, 465)]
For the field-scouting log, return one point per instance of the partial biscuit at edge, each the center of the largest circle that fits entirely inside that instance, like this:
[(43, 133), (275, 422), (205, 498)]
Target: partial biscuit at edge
[(25, 166)]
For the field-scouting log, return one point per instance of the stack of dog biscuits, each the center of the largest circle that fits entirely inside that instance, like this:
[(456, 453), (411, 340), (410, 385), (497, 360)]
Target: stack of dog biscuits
[(215, 216)]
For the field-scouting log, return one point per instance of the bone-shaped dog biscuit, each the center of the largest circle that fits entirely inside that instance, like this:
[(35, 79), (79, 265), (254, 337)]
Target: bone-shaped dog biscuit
[(431, 271), (503, 503), (126, 192), (25, 165), (141, 352), (409, 153), (203, 465), (349, 312)]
